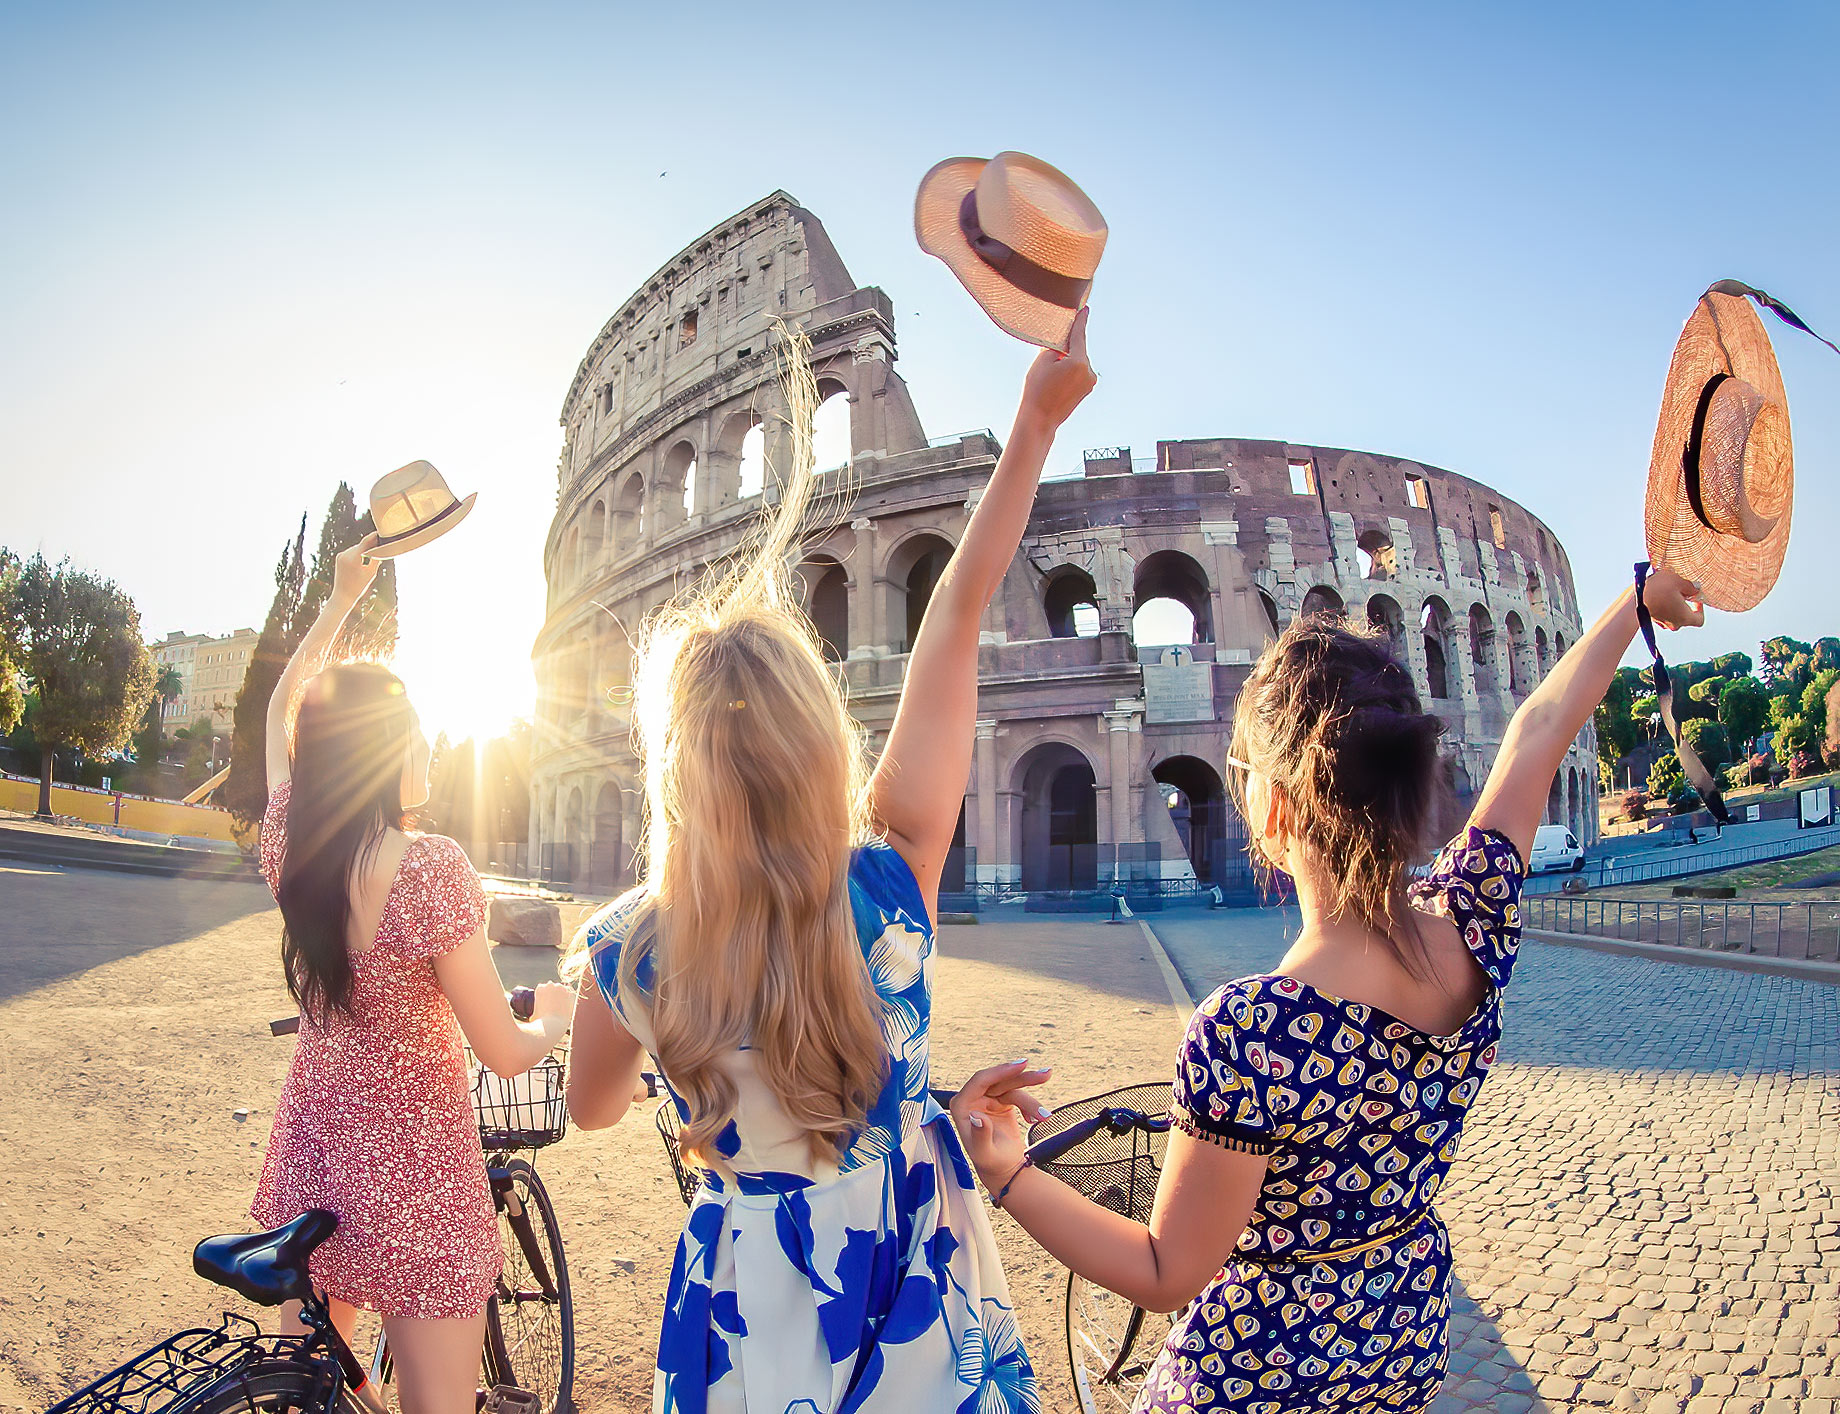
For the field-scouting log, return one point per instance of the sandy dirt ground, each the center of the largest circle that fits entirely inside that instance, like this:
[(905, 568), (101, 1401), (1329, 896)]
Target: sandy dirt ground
[(133, 1024)]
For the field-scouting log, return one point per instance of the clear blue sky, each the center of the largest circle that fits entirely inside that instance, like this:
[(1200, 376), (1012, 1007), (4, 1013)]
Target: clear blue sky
[(244, 253)]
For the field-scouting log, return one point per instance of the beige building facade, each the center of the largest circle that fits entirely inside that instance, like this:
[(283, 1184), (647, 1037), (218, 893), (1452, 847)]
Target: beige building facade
[(211, 672), (1099, 751)]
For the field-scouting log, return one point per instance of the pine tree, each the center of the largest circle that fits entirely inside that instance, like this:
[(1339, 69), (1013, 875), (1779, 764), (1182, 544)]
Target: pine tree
[(245, 792)]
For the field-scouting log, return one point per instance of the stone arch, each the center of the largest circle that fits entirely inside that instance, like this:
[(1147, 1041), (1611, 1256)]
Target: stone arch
[(1270, 606), (573, 827), (1519, 668), (1555, 800), (1056, 824), (1536, 591), (1069, 590), (1440, 669), (736, 457), (914, 567), (832, 440), (674, 495), (1574, 818), (1196, 799), (1482, 650), (629, 514), (594, 548), (827, 604), (606, 868), (1170, 574), (1384, 613), (571, 555), (1322, 600), (1540, 659), (1374, 549)]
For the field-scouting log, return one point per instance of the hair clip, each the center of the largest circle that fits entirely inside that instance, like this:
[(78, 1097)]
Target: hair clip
[(737, 704)]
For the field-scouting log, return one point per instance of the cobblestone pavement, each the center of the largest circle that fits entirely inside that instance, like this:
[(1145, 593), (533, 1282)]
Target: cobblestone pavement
[(1646, 1211)]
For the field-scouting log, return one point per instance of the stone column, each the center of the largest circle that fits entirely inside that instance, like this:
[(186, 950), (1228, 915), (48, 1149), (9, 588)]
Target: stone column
[(866, 609), (1121, 766), (987, 801)]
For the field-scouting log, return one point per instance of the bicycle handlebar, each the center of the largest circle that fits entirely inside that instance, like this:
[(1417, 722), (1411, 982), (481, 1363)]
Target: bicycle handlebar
[(523, 1002), (1117, 1119)]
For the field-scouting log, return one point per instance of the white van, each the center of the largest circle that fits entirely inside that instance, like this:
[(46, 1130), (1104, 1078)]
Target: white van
[(1555, 848)]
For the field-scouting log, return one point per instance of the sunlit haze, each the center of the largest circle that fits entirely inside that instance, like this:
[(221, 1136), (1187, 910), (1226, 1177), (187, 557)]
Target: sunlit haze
[(248, 252)]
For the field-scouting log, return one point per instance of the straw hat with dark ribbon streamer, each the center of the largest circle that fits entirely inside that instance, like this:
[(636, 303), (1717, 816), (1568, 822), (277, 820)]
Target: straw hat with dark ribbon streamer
[(1721, 479), (412, 506), (1020, 236)]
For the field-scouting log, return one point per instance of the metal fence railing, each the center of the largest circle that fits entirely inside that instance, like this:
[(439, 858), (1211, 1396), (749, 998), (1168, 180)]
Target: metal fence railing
[(1602, 873), (1797, 931)]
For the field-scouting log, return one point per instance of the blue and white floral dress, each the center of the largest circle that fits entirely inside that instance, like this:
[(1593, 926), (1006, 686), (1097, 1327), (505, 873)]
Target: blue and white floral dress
[(810, 1287)]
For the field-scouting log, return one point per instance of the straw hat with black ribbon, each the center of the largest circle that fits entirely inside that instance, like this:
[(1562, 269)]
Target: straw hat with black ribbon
[(1721, 479), (412, 506), (1020, 236)]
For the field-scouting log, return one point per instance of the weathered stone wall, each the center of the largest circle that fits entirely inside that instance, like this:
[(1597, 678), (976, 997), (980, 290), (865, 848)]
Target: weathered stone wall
[(1244, 534)]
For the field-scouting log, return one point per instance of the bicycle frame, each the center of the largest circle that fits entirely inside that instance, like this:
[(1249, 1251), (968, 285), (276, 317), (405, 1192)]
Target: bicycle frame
[(506, 1201)]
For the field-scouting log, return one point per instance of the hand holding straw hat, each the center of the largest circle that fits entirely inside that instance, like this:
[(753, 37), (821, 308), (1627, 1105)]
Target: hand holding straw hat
[(1020, 236), (412, 506), (1721, 478)]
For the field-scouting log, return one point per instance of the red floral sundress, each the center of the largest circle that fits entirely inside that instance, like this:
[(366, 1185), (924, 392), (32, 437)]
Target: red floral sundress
[(375, 1120)]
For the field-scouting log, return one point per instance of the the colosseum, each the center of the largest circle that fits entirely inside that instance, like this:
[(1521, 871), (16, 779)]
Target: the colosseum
[(1098, 756)]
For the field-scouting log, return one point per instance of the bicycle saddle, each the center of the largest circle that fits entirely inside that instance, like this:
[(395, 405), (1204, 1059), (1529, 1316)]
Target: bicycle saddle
[(266, 1267)]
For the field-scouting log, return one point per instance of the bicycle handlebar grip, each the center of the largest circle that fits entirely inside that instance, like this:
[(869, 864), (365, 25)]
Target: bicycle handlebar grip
[(523, 1002), (284, 1026), (1116, 1120)]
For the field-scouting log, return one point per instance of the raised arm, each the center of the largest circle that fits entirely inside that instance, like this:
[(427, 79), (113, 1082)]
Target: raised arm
[(919, 783), (1548, 722), (352, 574)]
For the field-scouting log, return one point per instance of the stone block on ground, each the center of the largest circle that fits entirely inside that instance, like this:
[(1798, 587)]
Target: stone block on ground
[(525, 923)]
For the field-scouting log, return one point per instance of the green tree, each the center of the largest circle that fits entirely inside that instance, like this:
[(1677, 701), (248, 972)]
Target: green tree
[(1703, 698), (244, 792), (1666, 781), (371, 631), (1744, 708), (1826, 654), (1783, 660), (1797, 734), (1732, 665), (1709, 740), (1814, 696), (12, 694), (1617, 734), (79, 639)]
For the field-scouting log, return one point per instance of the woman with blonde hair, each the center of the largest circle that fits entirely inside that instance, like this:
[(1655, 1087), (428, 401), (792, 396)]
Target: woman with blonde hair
[(776, 959)]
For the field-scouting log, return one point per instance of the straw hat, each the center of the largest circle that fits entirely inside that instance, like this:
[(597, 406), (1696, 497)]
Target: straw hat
[(1721, 480), (1019, 235), (412, 506)]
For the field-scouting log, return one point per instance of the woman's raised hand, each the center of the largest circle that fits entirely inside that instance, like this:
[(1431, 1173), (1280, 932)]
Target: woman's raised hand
[(1059, 382), (554, 1008), (354, 570), (990, 1111), (1673, 602)]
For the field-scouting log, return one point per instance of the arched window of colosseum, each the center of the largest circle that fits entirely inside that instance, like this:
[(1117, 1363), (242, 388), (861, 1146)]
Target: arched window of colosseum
[(597, 533), (1375, 551), (1072, 605), (1536, 592), (1519, 669), (1171, 575), (1539, 651), (830, 427), (571, 556), (686, 331), (629, 515), (572, 837), (754, 460), (677, 483), (827, 602), (606, 866), (1321, 600), (1303, 477), (1558, 647), (1057, 828), (1270, 606), (1383, 612), (913, 572), (1497, 531), (1482, 650), (1435, 625), (1196, 800), (1418, 492)]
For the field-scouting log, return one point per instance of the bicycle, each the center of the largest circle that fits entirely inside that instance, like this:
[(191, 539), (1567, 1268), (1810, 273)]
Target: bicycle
[(239, 1367), (530, 1316), (1108, 1147)]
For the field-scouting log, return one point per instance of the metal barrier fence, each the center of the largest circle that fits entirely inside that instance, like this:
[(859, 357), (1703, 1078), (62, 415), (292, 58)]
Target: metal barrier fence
[(1797, 931), (1602, 873)]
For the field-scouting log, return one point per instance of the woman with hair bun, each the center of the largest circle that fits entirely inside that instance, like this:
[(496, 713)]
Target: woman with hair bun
[(1317, 1108)]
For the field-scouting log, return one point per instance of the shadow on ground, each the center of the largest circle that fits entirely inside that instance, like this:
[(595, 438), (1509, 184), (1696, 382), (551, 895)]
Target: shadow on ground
[(60, 922)]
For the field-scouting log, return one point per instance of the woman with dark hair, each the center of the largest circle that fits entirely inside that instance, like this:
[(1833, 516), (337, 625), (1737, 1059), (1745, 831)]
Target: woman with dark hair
[(1317, 1108), (384, 948)]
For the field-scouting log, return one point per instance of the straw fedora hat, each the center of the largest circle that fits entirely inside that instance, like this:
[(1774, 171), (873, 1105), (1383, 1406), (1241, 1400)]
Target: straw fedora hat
[(1721, 480), (1019, 235), (412, 506)]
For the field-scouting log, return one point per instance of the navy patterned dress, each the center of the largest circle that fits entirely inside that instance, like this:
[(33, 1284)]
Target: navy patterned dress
[(1337, 1298), (808, 1287)]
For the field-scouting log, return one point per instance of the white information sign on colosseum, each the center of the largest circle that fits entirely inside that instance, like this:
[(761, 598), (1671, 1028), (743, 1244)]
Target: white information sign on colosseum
[(1178, 689)]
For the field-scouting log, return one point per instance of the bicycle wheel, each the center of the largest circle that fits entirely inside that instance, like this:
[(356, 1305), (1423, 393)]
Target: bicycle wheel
[(530, 1319), (275, 1387), (1108, 1349)]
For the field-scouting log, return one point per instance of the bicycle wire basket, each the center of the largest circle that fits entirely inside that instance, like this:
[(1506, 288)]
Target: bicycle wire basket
[(180, 1370), (670, 1126), (1118, 1171), (525, 1111)]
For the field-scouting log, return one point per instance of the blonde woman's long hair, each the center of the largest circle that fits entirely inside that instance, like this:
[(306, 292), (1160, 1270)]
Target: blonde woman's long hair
[(755, 796)]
